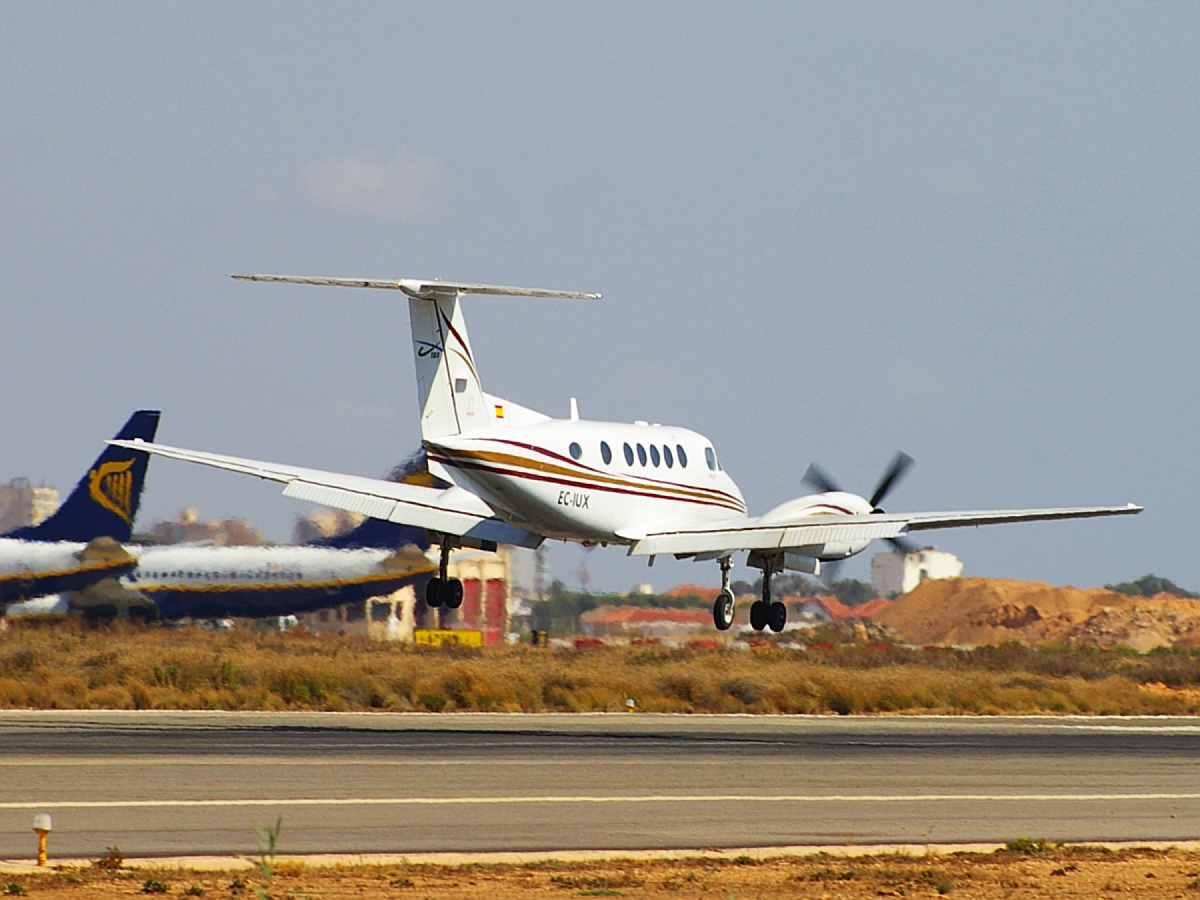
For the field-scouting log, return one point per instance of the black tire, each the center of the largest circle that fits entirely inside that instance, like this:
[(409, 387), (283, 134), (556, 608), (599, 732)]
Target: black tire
[(758, 615), (433, 593), (723, 611), (777, 617), (452, 593)]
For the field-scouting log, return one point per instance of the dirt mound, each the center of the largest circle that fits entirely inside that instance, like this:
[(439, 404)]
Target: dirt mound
[(991, 611)]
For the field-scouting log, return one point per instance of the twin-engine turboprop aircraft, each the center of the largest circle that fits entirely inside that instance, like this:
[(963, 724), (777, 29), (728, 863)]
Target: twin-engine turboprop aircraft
[(519, 477)]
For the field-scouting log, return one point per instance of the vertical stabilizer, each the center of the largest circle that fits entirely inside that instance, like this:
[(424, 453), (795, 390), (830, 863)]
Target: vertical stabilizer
[(105, 501), (448, 389)]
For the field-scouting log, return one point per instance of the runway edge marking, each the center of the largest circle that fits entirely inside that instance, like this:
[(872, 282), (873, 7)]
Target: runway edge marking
[(647, 798)]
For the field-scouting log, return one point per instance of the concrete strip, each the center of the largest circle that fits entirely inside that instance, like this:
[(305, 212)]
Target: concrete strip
[(585, 723)]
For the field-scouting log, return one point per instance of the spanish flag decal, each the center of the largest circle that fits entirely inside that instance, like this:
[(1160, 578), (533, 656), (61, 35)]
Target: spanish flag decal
[(499, 410)]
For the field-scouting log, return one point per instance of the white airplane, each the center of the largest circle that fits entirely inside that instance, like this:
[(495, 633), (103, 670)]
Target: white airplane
[(519, 476)]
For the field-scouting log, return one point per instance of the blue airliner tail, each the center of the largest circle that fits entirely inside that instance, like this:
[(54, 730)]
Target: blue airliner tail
[(105, 501), (376, 534)]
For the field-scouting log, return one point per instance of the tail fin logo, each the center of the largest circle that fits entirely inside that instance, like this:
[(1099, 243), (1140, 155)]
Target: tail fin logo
[(430, 349), (111, 485)]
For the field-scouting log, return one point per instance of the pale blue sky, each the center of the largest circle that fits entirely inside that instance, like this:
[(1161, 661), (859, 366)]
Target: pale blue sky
[(826, 232)]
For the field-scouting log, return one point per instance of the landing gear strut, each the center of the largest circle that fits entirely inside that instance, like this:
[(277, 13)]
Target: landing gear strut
[(723, 607), (443, 590), (764, 612)]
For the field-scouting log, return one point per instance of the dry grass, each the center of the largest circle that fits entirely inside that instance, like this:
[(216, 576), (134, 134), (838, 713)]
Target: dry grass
[(135, 667), (1070, 871)]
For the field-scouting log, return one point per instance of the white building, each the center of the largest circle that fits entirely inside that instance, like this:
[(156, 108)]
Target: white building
[(898, 573)]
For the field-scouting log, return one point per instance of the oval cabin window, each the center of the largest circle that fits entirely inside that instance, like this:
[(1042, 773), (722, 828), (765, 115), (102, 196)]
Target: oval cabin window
[(654, 457), (641, 454), (670, 460), (628, 455), (605, 452), (576, 450), (682, 456)]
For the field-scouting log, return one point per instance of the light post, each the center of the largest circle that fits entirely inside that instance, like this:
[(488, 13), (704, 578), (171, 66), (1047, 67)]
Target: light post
[(41, 824)]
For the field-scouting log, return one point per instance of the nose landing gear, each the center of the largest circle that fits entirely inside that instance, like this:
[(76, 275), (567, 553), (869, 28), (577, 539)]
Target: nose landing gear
[(723, 607)]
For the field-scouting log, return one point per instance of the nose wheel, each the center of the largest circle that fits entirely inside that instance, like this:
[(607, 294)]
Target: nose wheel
[(723, 606)]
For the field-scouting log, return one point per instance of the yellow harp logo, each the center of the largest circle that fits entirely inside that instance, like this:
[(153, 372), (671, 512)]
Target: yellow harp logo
[(111, 485)]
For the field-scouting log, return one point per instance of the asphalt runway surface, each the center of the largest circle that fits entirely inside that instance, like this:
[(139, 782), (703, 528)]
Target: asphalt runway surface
[(155, 783)]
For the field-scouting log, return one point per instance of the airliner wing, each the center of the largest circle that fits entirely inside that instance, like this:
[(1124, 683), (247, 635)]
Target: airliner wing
[(452, 511), (815, 531)]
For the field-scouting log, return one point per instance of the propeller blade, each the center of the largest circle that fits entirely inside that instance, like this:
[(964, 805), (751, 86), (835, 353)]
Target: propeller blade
[(900, 464), (819, 478), (903, 545)]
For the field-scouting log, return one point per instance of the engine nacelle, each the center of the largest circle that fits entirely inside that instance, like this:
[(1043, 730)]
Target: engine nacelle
[(794, 511)]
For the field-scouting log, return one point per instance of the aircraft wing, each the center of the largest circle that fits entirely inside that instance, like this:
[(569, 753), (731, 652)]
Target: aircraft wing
[(814, 531), (452, 511)]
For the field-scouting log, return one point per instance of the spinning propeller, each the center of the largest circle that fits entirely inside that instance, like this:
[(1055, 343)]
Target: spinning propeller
[(819, 479)]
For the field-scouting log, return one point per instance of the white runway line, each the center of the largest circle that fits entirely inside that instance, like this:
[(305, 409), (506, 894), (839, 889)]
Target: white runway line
[(648, 798)]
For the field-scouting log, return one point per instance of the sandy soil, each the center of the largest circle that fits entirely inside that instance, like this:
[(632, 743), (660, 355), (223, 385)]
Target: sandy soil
[(992, 611), (1070, 872)]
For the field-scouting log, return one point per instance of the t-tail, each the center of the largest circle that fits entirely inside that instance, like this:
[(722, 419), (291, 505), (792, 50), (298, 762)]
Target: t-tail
[(105, 502), (449, 392)]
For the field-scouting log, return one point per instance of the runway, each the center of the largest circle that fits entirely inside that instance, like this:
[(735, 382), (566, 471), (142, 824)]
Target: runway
[(164, 783)]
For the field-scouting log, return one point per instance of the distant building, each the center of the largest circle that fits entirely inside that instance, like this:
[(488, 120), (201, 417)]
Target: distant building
[(485, 608), (899, 573), (636, 621), (323, 522), (23, 504), (187, 528)]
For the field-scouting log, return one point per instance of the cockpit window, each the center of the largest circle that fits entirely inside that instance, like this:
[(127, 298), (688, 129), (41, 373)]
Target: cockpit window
[(682, 456), (667, 457), (628, 455), (576, 450), (605, 452), (654, 457), (641, 454), (710, 458)]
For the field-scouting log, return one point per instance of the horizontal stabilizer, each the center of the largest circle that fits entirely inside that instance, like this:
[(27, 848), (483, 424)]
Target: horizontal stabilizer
[(424, 289)]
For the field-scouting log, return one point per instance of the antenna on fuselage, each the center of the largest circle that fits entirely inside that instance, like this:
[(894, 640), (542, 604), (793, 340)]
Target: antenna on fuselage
[(574, 410)]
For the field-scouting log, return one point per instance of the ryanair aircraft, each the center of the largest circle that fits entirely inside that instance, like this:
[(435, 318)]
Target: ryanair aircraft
[(80, 544), (518, 476), (80, 559), (199, 581)]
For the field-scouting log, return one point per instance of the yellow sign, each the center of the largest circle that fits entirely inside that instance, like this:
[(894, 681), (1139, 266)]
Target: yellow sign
[(111, 485), (437, 637)]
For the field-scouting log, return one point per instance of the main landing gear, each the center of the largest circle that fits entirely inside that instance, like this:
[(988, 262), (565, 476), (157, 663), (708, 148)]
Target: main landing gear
[(443, 591), (763, 613)]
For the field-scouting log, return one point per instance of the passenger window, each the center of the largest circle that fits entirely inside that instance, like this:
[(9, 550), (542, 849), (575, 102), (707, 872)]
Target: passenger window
[(628, 455), (710, 458), (641, 454), (576, 450), (682, 456), (654, 458), (605, 453), (667, 456)]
